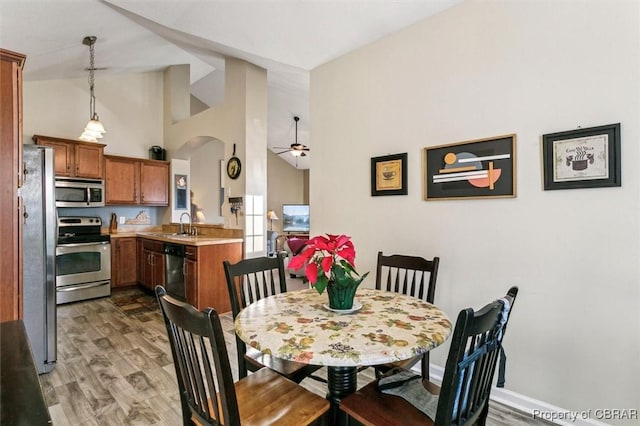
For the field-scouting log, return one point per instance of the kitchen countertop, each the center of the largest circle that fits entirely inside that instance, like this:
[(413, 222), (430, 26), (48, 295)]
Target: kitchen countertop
[(168, 237)]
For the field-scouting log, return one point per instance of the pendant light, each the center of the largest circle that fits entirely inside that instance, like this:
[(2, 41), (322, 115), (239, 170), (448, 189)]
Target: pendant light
[(94, 129)]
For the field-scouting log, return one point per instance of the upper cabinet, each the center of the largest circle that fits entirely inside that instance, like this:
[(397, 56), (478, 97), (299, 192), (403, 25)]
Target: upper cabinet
[(135, 181), (75, 158)]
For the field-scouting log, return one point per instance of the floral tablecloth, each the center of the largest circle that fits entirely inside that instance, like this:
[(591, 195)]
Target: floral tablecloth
[(296, 326)]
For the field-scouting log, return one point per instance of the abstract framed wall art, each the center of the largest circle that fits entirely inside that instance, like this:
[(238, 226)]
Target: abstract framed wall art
[(582, 158), (389, 175), (481, 168)]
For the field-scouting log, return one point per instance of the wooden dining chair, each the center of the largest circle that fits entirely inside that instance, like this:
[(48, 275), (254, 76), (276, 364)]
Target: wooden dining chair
[(410, 275), (248, 281), (207, 392), (463, 397)]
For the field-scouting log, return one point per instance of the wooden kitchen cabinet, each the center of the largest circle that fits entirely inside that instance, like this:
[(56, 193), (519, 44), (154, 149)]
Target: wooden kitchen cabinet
[(191, 272), (134, 181), (152, 264), (11, 65), (75, 158), (124, 266), (206, 283), (154, 182)]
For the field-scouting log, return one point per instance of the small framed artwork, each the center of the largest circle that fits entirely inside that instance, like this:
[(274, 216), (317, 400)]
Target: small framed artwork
[(389, 175), (481, 168), (181, 191), (582, 158)]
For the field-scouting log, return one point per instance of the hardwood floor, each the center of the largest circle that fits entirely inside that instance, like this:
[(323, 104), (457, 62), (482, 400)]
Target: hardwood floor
[(115, 368)]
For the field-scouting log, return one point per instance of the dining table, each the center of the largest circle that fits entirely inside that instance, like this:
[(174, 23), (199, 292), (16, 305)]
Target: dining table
[(382, 327)]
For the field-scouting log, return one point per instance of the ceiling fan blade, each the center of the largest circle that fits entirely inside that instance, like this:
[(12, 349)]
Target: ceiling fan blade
[(281, 147), (283, 152)]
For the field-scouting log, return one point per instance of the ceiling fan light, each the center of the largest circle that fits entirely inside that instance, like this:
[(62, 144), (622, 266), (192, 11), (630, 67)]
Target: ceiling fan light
[(296, 153)]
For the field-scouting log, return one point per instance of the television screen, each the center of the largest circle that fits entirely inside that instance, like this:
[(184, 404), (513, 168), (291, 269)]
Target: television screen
[(295, 218)]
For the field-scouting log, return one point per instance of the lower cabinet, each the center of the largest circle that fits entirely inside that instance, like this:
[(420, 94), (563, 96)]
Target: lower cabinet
[(124, 266), (191, 273), (151, 264), (205, 282)]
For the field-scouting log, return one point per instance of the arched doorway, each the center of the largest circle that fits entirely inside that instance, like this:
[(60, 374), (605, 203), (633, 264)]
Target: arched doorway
[(206, 157)]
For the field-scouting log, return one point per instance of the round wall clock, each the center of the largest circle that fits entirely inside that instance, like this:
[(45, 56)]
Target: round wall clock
[(233, 165)]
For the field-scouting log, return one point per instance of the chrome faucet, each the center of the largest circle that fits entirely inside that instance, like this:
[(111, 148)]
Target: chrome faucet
[(182, 225)]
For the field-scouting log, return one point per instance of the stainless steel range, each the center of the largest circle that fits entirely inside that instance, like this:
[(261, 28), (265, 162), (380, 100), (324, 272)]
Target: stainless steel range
[(83, 259)]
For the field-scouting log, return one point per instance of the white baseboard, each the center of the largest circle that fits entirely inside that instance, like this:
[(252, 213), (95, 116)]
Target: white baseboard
[(527, 405)]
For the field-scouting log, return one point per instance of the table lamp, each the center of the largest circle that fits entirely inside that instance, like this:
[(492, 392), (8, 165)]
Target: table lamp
[(271, 215)]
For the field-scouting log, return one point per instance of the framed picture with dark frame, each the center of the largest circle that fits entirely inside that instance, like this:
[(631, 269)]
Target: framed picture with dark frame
[(389, 175), (480, 168), (582, 158)]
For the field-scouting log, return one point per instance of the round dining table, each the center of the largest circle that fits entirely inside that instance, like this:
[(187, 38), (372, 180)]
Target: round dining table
[(382, 327)]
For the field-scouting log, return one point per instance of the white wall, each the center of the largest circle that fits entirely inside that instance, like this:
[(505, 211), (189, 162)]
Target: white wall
[(239, 120), (481, 69), (129, 106)]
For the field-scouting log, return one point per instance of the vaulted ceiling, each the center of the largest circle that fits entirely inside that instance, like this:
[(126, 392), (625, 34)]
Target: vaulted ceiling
[(287, 37)]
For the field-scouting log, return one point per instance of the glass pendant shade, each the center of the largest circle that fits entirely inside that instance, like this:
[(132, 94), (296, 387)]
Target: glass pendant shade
[(94, 129), (95, 125)]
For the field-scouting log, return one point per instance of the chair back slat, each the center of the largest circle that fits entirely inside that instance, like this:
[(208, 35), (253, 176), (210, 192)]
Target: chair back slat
[(203, 371), (248, 281), (471, 364), (407, 275)]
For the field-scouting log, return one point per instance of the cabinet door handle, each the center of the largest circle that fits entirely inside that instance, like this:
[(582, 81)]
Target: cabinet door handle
[(142, 196)]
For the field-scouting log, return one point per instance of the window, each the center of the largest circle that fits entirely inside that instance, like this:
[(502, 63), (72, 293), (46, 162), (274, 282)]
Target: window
[(254, 225)]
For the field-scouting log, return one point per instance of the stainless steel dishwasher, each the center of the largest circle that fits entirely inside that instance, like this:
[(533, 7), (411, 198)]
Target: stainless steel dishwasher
[(174, 270)]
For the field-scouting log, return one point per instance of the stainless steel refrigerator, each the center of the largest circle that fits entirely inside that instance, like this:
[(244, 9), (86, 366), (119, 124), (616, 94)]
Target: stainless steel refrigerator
[(39, 251)]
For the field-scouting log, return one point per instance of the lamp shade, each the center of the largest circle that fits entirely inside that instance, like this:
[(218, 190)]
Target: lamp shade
[(95, 125), (271, 215)]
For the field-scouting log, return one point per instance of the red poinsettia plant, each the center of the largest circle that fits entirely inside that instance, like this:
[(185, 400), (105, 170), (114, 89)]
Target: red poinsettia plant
[(330, 261)]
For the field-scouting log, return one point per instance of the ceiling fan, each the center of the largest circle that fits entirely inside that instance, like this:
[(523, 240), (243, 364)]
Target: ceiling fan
[(296, 149)]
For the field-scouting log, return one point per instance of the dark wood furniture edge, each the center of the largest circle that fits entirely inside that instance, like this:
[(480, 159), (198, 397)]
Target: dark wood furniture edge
[(21, 399)]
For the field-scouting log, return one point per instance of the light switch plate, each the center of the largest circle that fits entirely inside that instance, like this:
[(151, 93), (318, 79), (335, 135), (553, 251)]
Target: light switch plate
[(122, 220)]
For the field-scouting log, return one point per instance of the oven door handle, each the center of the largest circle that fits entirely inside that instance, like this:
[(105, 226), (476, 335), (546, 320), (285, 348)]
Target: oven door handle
[(83, 286)]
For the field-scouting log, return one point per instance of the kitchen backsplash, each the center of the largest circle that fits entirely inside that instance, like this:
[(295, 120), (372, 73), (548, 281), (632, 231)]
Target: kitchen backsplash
[(154, 214)]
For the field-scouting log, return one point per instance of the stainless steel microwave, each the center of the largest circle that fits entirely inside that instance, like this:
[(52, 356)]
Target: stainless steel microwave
[(79, 192)]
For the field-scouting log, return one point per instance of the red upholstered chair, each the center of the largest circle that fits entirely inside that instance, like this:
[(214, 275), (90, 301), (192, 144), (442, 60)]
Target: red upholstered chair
[(293, 246)]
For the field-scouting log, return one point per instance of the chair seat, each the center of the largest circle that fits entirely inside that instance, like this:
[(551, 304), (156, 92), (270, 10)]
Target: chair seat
[(292, 370), (370, 407), (265, 397)]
